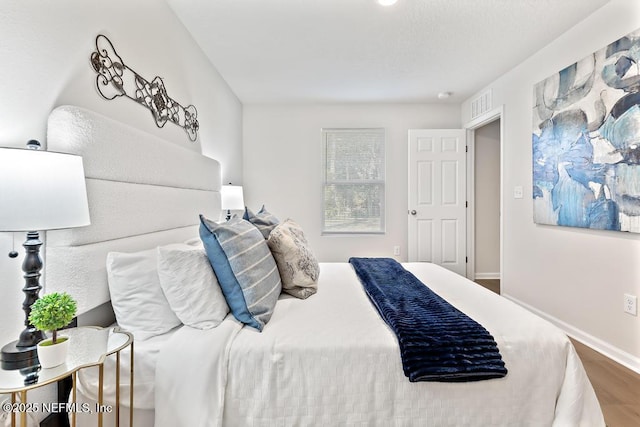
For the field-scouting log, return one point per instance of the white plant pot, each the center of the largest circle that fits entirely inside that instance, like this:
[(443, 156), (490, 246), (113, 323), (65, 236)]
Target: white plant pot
[(51, 356)]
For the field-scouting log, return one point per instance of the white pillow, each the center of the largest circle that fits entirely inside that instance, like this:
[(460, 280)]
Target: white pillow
[(191, 287), (195, 242), (137, 298)]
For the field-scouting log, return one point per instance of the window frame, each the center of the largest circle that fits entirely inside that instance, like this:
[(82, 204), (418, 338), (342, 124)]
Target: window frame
[(382, 182)]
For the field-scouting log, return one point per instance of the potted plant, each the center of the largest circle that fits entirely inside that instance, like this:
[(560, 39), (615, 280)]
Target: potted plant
[(50, 313)]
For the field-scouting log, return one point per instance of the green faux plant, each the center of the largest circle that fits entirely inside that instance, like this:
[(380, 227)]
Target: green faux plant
[(52, 312)]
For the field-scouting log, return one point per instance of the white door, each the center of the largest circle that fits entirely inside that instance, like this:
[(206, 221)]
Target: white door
[(437, 197)]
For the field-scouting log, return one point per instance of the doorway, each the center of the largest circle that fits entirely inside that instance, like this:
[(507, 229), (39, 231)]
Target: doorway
[(487, 201), (484, 183)]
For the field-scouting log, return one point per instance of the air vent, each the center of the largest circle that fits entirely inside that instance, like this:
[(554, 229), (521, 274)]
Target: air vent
[(481, 104)]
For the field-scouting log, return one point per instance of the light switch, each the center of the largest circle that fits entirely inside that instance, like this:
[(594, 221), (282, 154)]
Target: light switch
[(517, 192)]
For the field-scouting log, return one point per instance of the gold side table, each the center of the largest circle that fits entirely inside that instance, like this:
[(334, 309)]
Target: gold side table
[(88, 346)]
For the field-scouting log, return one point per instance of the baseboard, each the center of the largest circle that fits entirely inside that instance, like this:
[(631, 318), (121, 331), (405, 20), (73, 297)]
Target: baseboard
[(487, 276), (614, 353)]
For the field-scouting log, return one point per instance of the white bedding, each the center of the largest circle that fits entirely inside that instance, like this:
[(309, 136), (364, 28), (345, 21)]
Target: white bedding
[(145, 358), (331, 360)]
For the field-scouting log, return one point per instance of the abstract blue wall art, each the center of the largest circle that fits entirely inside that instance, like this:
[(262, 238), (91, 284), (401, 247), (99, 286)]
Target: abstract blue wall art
[(586, 141)]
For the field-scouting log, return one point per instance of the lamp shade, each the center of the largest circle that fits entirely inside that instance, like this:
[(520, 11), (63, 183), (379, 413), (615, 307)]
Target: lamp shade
[(232, 197), (41, 190)]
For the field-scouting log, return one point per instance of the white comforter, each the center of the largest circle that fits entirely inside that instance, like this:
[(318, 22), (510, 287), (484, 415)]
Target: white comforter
[(330, 360)]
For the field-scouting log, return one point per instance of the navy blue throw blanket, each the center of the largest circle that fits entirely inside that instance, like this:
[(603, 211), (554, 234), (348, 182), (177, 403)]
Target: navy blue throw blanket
[(437, 341)]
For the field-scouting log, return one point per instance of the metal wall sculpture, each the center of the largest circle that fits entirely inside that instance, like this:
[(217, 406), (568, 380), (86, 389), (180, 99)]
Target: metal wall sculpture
[(116, 79), (586, 141)]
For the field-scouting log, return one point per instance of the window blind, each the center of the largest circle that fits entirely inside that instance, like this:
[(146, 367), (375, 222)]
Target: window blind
[(354, 180)]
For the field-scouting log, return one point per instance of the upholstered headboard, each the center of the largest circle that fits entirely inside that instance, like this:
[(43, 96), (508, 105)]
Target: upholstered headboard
[(143, 192)]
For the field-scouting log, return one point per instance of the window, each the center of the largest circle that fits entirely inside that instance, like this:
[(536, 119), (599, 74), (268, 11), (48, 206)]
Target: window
[(354, 170)]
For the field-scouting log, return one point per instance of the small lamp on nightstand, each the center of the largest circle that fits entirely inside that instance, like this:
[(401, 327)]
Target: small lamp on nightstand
[(39, 190), (232, 199)]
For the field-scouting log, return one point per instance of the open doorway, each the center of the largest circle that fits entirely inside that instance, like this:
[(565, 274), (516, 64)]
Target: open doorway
[(486, 182), (485, 136)]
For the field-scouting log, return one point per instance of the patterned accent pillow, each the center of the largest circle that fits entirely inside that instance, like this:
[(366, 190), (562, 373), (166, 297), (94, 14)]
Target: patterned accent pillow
[(245, 269), (263, 220), (298, 266)]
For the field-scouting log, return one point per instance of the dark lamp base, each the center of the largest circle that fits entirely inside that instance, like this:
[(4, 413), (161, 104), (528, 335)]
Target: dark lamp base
[(14, 357)]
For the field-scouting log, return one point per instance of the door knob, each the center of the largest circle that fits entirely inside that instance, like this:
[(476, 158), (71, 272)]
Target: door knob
[(413, 212)]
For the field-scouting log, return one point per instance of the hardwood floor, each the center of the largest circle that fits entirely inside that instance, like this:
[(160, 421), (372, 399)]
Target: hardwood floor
[(617, 388), (491, 284)]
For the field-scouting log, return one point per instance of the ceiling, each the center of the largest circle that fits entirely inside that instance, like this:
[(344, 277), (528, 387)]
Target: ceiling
[(335, 51)]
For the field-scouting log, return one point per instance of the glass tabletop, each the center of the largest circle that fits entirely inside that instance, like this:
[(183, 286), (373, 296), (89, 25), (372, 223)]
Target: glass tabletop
[(88, 346)]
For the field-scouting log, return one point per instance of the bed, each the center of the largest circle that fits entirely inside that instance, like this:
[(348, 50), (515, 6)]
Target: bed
[(328, 359)]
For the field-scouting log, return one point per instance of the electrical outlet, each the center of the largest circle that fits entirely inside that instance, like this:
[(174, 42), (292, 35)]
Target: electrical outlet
[(631, 304), (396, 250)]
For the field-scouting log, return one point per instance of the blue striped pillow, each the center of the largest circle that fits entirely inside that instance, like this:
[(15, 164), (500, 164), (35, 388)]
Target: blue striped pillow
[(245, 268), (263, 220)]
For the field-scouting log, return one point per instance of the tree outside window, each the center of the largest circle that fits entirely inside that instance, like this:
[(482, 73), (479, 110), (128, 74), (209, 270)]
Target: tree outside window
[(354, 181)]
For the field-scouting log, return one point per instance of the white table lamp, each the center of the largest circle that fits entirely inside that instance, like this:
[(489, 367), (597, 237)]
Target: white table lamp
[(39, 190), (232, 198)]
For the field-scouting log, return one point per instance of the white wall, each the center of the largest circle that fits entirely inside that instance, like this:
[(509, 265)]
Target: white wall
[(575, 277), (283, 166), (45, 48), (486, 149)]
